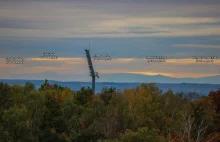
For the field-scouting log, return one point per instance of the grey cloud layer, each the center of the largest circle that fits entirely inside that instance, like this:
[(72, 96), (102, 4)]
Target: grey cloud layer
[(72, 19), (126, 29)]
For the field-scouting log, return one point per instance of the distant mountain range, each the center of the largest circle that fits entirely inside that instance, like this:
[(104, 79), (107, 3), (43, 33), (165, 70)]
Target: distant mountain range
[(158, 79), (201, 89), (122, 77)]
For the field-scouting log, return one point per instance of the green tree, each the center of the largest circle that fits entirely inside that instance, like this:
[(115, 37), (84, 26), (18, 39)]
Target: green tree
[(16, 124), (106, 94), (141, 135), (84, 95)]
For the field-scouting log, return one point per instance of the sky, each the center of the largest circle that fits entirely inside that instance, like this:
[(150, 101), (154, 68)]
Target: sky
[(128, 30)]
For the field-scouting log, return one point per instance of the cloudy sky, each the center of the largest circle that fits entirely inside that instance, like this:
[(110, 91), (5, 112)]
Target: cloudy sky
[(128, 30)]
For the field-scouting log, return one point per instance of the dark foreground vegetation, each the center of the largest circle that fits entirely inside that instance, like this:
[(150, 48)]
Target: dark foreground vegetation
[(57, 114)]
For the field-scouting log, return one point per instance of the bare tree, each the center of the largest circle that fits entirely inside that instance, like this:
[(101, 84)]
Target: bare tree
[(185, 131), (200, 130)]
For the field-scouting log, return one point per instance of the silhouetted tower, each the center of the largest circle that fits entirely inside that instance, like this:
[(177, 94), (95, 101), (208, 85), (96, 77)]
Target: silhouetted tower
[(93, 74)]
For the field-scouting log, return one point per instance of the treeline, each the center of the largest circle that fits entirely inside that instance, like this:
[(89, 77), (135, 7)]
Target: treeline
[(54, 113)]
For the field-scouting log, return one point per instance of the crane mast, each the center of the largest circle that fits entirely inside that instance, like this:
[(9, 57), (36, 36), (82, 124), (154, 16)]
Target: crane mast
[(93, 74)]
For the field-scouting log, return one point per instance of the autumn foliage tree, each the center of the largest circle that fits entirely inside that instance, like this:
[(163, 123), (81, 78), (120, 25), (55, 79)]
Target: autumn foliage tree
[(214, 97), (54, 113)]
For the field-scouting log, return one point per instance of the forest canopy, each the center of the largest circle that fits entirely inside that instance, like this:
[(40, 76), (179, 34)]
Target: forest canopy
[(54, 113)]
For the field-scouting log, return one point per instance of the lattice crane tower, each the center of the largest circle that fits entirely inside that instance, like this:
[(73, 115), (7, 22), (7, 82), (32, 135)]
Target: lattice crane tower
[(93, 74)]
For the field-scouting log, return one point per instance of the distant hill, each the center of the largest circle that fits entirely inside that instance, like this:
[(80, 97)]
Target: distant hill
[(123, 77), (158, 79), (201, 89)]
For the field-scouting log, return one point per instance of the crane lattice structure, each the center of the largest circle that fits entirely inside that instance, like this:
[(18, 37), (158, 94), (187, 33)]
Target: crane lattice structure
[(93, 74)]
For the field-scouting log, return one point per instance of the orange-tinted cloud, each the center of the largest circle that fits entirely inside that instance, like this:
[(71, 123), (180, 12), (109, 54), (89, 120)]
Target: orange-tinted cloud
[(172, 67)]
